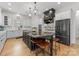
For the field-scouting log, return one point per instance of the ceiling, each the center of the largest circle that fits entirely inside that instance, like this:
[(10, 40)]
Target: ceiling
[(23, 7)]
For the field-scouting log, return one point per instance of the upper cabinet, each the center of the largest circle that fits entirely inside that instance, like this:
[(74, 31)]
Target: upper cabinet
[(63, 15), (1, 20), (7, 18)]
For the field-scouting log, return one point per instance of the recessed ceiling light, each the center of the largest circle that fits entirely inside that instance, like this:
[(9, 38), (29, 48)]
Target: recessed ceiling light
[(9, 4), (18, 15), (10, 8), (35, 11), (46, 9), (77, 11), (50, 11), (30, 14), (58, 2)]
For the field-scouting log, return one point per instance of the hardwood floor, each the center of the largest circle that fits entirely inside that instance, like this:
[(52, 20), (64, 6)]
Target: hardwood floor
[(16, 47)]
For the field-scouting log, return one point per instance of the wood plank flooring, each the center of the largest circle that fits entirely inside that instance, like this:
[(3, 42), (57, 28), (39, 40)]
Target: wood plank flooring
[(16, 47)]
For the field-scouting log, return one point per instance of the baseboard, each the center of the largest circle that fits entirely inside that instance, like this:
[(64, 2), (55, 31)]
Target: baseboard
[(15, 37)]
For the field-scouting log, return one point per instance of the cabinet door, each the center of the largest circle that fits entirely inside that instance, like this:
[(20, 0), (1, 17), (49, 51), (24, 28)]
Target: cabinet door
[(67, 22), (18, 33), (3, 38), (9, 34), (63, 31), (57, 28), (63, 28), (2, 41)]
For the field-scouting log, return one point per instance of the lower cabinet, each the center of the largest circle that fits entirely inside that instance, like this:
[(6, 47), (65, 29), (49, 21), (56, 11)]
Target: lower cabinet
[(27, 41), (2, 40), (14, 33)]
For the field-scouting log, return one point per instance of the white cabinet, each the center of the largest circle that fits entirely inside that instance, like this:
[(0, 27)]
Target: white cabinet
[(9, 34), (1, 20), (14, 33), (2, 40), (17, 33)]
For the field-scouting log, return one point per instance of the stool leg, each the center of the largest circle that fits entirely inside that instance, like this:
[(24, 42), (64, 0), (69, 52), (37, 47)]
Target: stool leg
[(37, 51), (43, 51), (59, 46), (36, 54), (55, 48)]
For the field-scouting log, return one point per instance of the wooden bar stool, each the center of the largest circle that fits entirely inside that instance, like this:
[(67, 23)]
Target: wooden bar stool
[(34, 41), (43, 45)]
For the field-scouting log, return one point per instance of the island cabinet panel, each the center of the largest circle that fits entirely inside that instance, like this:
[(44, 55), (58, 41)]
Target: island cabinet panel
[(27, 40)]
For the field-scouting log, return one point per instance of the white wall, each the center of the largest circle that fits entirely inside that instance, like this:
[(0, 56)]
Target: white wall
[(36, 20), (68, 7), (72, 28), (77, 23)]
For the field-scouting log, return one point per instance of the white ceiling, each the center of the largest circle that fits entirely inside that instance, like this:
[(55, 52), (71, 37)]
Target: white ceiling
[(23, 7)]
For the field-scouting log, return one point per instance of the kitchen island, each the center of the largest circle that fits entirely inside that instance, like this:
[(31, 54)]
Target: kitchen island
[(28, 37)]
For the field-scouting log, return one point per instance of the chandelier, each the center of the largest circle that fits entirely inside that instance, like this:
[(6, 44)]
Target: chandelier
[(34, 10)]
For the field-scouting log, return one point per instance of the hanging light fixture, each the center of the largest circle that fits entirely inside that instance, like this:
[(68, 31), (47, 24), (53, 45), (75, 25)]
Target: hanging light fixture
[(34, 10), (30, 14)]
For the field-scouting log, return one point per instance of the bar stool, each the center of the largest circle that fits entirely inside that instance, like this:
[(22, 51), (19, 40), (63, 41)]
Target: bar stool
[(42, 45), (34, 41)]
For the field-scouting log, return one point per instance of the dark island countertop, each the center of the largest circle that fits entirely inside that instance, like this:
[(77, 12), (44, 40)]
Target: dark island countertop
[(43, 35)]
